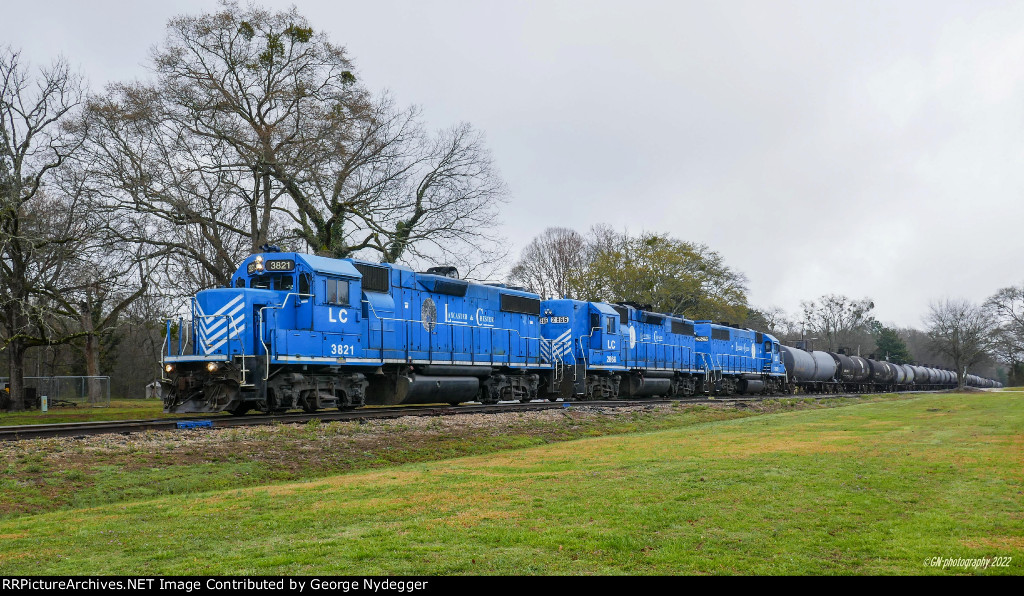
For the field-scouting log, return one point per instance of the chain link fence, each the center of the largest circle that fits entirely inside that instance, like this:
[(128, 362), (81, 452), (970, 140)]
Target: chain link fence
[(67, 391)]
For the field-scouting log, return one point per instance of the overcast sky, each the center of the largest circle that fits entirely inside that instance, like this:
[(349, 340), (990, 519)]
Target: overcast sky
[(862, 148)]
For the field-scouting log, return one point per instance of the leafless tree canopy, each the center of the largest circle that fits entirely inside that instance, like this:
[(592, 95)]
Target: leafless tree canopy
[(37, 232), (960, 330), (256, 131), (836, 319), (553, 264), (1007, 308)]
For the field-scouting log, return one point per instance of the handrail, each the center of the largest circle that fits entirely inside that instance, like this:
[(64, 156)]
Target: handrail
[(452, 327), (262, 322)]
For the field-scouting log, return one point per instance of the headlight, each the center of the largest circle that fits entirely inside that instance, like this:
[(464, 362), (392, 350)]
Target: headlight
[(259, 263), (212, 367), (169, 368)]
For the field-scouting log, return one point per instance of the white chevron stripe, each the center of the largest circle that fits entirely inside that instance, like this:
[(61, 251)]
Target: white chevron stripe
[(223, 308), (234, 332), (217, 320), (213, 327), (221, 342)]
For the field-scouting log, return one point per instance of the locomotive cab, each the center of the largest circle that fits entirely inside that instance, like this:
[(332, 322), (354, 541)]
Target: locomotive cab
[(605, 338), (280, 309)]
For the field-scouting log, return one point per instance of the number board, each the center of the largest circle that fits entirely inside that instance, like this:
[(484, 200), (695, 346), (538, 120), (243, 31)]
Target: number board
[(275, 265), (280, 265), (546, 320)]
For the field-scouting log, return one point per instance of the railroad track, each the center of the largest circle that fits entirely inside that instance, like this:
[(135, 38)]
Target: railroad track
[(82, 429)]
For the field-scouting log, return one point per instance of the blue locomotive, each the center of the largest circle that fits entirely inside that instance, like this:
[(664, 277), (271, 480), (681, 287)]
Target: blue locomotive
[(603, 351), (302, 331)]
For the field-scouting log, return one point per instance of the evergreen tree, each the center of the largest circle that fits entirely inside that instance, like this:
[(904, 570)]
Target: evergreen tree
[(889, 345)]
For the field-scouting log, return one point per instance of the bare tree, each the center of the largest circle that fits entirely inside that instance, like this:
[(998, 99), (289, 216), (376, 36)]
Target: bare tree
[(237, 95), (962, 331), (105, 274), (776, 321), (1007, 307), (837, 319), (36, 229), (255, 131), (553, 264)]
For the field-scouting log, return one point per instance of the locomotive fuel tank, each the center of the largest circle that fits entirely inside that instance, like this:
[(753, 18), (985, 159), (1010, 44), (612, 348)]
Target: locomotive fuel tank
[(637, 386), (414, 388), (749, 386)]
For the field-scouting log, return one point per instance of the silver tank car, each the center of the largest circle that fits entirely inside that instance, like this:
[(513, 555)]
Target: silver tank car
[(824, 366), (908, 373), (799, 364)]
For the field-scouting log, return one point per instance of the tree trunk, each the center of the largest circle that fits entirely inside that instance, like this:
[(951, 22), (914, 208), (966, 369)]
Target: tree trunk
[(92, 365), (16, 360)]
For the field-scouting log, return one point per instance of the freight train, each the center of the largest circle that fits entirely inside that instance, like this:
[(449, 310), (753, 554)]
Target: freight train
[(302, 331), (831, 372)]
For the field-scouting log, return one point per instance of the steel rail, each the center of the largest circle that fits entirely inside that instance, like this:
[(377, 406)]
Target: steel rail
[(82, 429)]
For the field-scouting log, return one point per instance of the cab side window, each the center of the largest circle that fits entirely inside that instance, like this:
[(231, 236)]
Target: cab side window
[(304, 284), (284, 282), (611, 324), (337, 291)]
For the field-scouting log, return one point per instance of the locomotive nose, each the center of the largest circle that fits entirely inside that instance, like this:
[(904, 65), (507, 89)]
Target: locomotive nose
[(220, 318)]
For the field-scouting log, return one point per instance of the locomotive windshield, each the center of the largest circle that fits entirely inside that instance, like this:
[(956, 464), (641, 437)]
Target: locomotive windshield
[(275, 282)]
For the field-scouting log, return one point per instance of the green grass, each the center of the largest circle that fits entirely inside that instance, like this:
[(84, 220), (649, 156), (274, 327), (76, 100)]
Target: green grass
[(872, 488), (127, 409), (51, 474)]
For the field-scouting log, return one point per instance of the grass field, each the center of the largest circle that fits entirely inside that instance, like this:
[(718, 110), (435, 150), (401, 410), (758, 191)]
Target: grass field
[(126, 409), (877, 488)]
